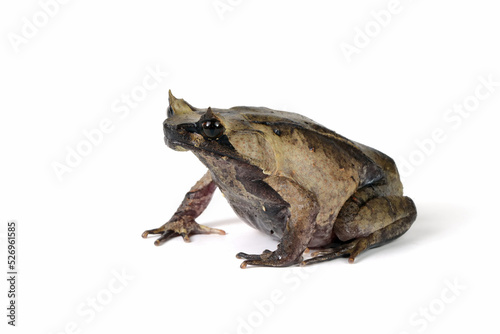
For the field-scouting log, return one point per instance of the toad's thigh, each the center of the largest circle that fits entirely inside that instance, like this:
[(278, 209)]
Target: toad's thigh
[(359, 219)]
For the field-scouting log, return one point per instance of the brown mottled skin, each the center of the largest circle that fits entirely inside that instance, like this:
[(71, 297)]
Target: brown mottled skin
[(289, 177)]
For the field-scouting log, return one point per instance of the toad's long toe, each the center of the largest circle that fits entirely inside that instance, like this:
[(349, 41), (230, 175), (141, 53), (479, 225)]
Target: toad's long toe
[(183, 227), (268, 259), (352, 249), (253, 257)]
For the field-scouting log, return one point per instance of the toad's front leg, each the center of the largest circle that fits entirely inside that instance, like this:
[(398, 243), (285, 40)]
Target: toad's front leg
[(183, 221), (299, 228)]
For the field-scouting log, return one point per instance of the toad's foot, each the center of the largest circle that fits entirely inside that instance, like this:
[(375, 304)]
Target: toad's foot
[(352, 249), (182, 227), (267, 259)]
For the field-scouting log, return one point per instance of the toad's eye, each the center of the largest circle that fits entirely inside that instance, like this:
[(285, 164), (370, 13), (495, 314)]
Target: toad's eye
[(212, 128)]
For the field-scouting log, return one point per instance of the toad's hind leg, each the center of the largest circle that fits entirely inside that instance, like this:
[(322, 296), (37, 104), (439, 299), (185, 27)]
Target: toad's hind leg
[(364, 225)]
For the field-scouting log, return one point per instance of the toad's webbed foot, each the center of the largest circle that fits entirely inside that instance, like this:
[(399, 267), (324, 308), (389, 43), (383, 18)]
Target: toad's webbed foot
[(183, 221), (182, 227), (268, 259), (351, 249)]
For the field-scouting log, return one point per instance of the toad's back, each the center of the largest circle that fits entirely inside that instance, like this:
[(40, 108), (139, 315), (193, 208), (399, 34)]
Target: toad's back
[(330, 166)]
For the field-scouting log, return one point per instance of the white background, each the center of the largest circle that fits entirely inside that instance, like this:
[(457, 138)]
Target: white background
[(77, 233)]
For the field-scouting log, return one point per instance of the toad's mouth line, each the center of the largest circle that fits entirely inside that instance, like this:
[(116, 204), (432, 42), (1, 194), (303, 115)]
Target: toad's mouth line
[(173, 143), (189, 147)]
